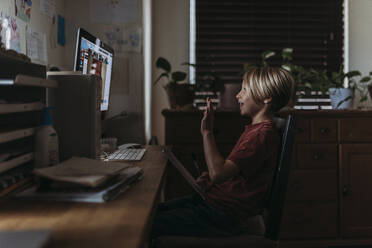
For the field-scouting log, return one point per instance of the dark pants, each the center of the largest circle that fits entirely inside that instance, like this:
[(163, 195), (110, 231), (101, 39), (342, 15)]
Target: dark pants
[(192, 216)]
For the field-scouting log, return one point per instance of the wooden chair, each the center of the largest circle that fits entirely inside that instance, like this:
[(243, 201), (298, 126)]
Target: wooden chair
[(275, 204)]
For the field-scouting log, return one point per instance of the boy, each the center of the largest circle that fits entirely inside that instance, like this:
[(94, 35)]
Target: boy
[(236, 186)]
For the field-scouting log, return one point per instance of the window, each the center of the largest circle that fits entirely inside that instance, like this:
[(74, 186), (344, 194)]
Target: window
[(231, 33)]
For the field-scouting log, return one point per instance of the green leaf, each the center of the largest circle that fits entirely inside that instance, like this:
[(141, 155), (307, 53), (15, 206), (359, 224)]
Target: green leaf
[(363, 99), (164, 74), (287, 55), (163, 64), (178, 76), (287, 50), (189, 64), (351, 74), (365, 79), (342, 101), (286, 67), (337, 78), (267, 54)]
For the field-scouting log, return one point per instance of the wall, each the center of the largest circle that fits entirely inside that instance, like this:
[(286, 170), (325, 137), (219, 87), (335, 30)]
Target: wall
[(126, 94), (360, 40), (170, 40), (41, 23), (127, 91)]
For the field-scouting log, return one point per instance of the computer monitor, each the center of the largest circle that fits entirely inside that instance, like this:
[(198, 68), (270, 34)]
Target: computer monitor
[(92, 56)]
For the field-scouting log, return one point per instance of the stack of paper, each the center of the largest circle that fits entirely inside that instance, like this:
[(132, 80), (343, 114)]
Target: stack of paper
[(84, 180), (83, 171)]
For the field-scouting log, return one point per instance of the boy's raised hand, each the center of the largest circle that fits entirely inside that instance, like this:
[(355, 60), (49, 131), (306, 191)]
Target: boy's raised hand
[(208, 119), (204, 181)]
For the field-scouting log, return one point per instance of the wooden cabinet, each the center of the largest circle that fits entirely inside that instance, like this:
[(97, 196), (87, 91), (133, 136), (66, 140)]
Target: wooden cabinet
[(355, 190), (311, 209), (329, 195), (329, 192)]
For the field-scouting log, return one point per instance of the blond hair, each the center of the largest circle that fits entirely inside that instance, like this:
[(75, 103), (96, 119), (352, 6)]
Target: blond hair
[(274, 82)]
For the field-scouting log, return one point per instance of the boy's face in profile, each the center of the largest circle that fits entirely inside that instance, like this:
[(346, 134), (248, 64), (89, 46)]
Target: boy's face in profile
[(248, 107)]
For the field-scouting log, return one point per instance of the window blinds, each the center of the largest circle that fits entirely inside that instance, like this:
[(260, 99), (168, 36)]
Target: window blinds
[(231, 33)]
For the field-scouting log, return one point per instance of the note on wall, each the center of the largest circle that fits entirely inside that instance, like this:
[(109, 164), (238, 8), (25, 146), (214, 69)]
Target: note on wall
[(123, 39), (114, 11), (61, 30), (23, 9), (12, 32), (36, 46), (48, 7)]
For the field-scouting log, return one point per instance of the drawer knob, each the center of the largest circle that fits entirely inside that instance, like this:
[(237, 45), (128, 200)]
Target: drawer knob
[(317, 156), (345, 190), (324, 130)]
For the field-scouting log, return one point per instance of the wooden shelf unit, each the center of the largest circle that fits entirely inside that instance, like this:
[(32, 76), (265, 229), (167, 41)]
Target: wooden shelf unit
[(24, 80), (22, 100), (11, 135), (7, 108)]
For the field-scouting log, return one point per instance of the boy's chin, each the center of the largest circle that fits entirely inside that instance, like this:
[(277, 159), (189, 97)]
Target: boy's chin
[(243, 113)]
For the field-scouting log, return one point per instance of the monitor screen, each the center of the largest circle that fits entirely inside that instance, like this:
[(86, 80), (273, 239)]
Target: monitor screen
[(92, 56)]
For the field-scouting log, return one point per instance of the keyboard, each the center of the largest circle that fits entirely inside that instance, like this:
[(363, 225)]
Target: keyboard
[(126, 155)]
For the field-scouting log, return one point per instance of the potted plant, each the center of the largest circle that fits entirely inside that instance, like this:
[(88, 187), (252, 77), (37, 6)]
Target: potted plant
[(309, 80), (361, 85), (180, 95), (341, 96)]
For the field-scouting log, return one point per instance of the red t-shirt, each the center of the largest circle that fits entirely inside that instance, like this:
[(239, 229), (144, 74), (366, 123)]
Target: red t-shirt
[(255, 154)]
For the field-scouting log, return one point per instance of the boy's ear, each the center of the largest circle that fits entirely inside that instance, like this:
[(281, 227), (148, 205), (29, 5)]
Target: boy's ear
[(268, 100)]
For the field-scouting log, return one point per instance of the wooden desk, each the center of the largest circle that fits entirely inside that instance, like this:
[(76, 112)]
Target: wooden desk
[(122, 222)]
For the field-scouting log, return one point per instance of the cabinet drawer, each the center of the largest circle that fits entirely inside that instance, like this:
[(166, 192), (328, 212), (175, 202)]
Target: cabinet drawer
[(317, 220), (314, 185), (302, 130), (358, 129), (316, 156), (324, 130)]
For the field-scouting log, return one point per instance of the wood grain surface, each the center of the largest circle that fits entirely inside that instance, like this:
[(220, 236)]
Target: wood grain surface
[(122, 222)]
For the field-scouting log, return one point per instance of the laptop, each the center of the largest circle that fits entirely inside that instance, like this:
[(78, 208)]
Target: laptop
[(185, 173)]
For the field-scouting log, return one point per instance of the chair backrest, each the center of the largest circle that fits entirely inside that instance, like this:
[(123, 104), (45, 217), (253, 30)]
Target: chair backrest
[(280, 179)]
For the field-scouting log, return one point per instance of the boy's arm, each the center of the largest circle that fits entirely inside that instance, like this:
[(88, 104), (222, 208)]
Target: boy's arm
[(219, 168)]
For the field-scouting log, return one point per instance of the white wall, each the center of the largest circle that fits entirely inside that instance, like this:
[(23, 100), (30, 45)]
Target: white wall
[(41, 23), (130, 100), (170, 40), (126, 93), (360, 40)]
